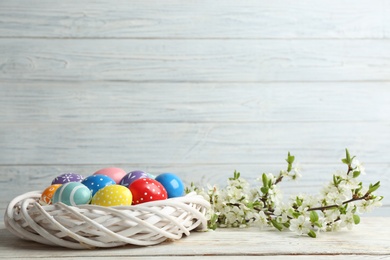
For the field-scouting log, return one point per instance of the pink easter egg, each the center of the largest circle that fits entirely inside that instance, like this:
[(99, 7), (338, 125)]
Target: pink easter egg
[(114, 173)]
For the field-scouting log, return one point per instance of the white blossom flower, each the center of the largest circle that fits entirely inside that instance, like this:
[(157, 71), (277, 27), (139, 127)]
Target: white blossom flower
[(347, 182), (296, 174), (308, 201), (347, 220), (300, 225), (350, 182), (283, 173), (282, 211), (263, 221), (334, 226), (331, 214), (322, 227), (367, 205), (358, 166), (335, 195), (275, 194)]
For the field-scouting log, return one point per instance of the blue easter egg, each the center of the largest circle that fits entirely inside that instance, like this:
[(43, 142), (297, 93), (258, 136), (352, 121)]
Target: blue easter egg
[(72, 194), (97, 182), (132, 176), (173, 184)]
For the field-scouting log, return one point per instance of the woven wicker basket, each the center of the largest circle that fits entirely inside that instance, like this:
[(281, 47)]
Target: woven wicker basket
[(90, 226)]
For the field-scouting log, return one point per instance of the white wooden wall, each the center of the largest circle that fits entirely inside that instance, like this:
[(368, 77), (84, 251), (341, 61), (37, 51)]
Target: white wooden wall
[(199, 88)]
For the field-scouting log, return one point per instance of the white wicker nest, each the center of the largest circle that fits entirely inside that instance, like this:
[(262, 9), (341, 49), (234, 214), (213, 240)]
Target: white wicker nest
[(90, 226)]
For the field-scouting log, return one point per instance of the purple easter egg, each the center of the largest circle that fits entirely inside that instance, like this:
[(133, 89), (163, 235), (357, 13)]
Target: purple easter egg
[(132, 176), (67, 177)]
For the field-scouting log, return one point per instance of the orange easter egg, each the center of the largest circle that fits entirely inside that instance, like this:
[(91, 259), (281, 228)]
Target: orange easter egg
[(48, 193)]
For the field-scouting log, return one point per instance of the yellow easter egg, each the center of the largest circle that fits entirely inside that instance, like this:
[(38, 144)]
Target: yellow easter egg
[(113, 195), (48, 193)]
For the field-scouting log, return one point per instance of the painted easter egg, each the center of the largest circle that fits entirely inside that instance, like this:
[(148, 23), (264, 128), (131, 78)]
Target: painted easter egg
[(67, 177), (72, 194), (116, 174), (113, 195), (132, 176), (97, 182), (48, 193), (147, 189), (172, 183)]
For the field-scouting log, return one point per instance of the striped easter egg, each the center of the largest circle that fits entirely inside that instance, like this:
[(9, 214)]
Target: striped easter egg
[(72, 194)]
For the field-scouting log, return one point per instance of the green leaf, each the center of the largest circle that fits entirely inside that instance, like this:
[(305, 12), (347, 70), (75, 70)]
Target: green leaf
[(313, 216), (295, 214), (318, 224), (343, 209), (357, 190), (290, 158), (298, 201), (236, 176), (213, 222), (374, 187), (277, 225), (286, 224), (264, 190), (356, 219), (312, 234), (356, 174), (347, 156), (335, 181), (265, 180), (347, 160)]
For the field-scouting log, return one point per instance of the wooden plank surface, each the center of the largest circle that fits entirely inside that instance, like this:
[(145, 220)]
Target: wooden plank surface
[(196, 19), (121, 142), (362, 240), (173, 60), (39, 101)]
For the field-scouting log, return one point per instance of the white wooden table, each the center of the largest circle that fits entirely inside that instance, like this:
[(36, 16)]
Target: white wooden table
[(370, 239)]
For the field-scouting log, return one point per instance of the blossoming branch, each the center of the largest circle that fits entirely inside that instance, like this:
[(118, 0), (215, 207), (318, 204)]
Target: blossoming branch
[(339, 204)]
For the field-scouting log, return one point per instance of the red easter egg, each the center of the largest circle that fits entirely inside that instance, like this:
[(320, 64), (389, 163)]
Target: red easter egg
[(147, 189)]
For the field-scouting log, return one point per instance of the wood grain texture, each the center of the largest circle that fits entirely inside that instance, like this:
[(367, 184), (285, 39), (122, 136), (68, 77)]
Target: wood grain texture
[(196, 19), (122, 142), (214, 257), (82, 102), (362, 240), (172, 60)]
